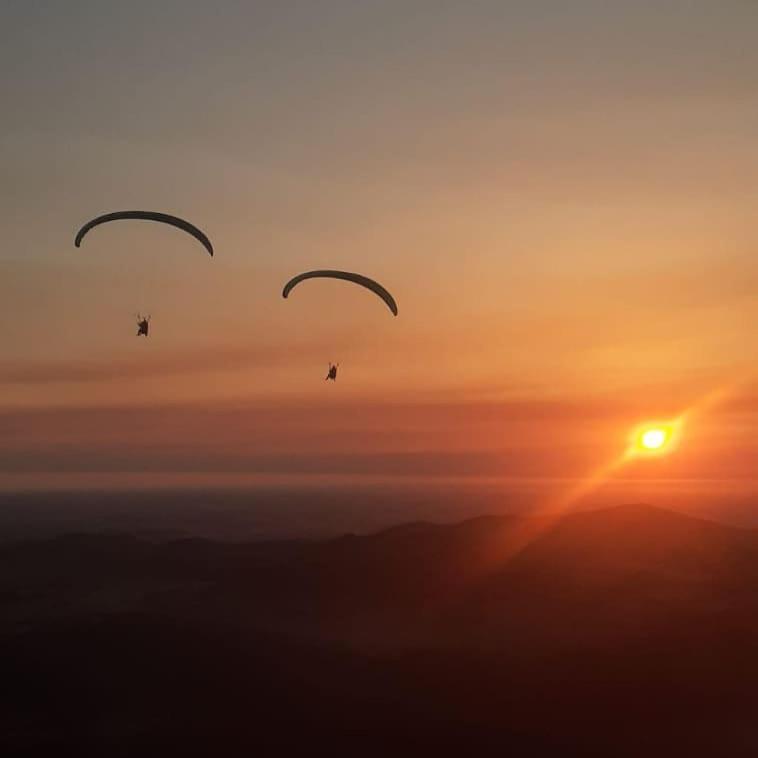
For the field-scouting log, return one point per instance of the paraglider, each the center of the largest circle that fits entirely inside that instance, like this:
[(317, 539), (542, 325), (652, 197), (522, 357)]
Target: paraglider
[(163, 218), (143, 326), (347, 276), (359, 279)]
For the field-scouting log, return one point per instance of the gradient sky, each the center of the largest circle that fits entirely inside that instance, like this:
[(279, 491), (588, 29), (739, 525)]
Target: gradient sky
[(562, 197)]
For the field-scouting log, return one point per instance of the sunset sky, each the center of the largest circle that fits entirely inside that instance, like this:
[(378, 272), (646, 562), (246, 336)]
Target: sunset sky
[(561, 196)]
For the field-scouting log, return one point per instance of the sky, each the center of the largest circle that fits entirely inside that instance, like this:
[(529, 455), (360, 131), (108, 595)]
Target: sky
[(561, 197)]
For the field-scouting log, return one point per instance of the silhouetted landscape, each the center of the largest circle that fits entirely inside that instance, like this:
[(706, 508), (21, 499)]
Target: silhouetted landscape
[(624, 631)]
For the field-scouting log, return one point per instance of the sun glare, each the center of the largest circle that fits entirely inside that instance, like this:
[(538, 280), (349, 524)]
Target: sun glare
[(654, 438)]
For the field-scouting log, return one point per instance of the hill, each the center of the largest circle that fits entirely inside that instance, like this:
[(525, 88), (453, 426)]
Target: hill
[(626, 631)]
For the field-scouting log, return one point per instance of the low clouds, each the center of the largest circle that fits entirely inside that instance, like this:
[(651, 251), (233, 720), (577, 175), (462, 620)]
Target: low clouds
[(334, 435)]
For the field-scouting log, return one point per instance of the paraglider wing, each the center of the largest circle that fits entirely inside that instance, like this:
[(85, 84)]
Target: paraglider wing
[(162, 218), (363, 281)]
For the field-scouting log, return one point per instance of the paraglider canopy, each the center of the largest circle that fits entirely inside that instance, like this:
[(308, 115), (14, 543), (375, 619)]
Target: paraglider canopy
[(359, 279), (163, 218)]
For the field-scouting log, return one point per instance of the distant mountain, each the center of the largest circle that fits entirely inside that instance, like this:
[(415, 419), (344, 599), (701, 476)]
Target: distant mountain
[(628, 631)]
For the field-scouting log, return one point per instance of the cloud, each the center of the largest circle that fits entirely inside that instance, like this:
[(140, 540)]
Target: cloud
[(337, 435)]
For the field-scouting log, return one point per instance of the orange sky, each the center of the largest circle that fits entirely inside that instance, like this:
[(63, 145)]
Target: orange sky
[(561, 200)]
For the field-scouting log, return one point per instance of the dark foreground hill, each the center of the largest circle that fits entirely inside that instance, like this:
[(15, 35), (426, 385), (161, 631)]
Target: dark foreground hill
[(631, 631)]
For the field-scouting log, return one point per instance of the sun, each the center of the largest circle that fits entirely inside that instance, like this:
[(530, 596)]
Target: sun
[(654, 438)]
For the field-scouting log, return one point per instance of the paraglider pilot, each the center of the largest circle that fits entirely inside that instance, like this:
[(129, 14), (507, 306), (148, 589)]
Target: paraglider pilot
[(143, 326), (332, 372)]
